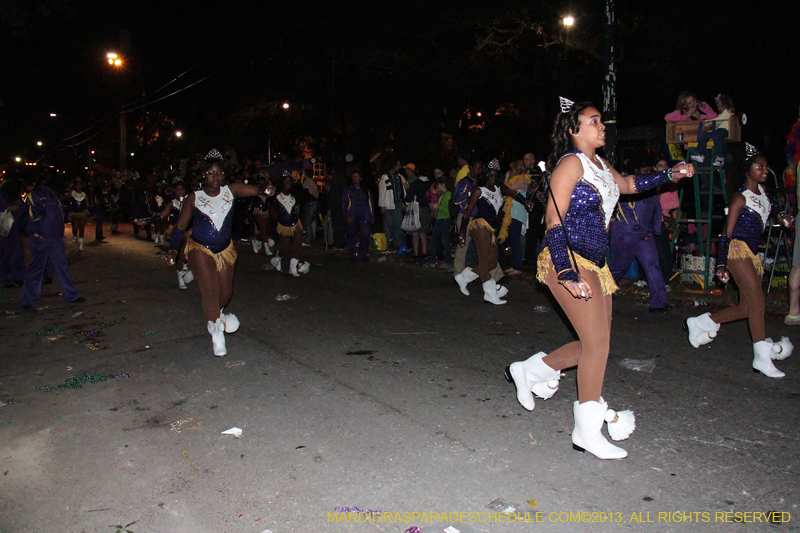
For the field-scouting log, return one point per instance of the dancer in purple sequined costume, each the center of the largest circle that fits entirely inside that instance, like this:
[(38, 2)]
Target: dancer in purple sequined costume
[(584, 192), (209, 248), (748, 216)]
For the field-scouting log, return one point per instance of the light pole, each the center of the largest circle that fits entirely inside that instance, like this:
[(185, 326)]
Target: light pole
[(610, 84), (567, 21), (285, 106), (116, 62), (177, 133)]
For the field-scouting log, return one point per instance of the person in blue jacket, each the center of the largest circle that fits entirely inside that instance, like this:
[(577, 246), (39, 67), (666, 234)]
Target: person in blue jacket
[(44, 225), (360, 214)]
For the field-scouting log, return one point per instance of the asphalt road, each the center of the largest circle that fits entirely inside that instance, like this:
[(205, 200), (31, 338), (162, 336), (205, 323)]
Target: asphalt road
[(377, 386)]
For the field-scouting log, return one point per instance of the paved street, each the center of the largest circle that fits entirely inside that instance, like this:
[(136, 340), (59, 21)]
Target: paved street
[(377, 386)]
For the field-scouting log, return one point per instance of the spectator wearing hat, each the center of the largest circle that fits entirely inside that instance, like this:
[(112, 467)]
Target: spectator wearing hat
[(462, 159)]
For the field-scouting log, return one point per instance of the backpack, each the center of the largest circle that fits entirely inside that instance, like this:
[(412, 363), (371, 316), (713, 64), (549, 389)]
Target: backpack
[(453, 208)]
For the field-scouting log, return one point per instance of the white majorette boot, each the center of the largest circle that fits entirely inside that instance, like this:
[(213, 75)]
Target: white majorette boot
[(464, 278), (702, 329), (181, 283), (533, 376), (293, 267), (276, 262), (230, 320), (490, 293), (762, 360), (587, 435), (80, 243), (267, 247), (502, 290), (217, 330), (781, 350), (256, 246), (303, 267), (186, 275)]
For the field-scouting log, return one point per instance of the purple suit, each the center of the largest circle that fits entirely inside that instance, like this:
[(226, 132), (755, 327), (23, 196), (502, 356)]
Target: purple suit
[(45, 229), (632, 230), (359, 212)]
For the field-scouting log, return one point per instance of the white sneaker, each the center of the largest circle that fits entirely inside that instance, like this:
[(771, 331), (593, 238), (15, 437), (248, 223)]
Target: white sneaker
[(256, 246)]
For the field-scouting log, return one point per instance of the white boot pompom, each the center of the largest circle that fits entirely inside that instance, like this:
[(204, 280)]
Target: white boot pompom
[(545, 389), (230, 320), (783, 349), (620, 424)]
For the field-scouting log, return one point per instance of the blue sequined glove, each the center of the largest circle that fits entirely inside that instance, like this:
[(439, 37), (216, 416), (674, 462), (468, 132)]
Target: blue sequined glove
[(722, 250), (556, 239), (176, 239), (645, 182)]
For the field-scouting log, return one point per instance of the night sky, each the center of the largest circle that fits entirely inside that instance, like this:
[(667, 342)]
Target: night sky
[(364, 75)]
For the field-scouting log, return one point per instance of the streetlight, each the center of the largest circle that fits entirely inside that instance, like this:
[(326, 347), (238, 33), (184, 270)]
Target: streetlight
[(115, 61), (569, 20), (38, 143), (53, 115), (285, 105), (177, 133), (18, 159)]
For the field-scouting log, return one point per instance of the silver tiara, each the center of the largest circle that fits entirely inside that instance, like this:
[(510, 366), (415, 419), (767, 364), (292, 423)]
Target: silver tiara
[(750, 150), (566, 104), (214, 154), (494, 163)]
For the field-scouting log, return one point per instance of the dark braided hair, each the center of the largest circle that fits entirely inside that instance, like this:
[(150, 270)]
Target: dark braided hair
[(210, 162), (562, 138), (739, 168)]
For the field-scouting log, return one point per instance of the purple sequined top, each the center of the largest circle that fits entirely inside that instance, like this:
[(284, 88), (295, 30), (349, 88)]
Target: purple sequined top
[(204, 232), (589, 214), (286, 217), (585, 224), (213, 219), (750, 224)]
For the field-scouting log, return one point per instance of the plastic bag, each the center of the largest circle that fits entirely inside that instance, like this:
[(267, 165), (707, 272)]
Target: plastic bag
[(378, 242)]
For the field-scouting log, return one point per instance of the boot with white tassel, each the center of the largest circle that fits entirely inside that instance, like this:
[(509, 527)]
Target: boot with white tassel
[(587, 435)]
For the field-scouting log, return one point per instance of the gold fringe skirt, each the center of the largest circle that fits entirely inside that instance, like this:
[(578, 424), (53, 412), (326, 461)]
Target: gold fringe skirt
[(288, 231), (225, 258), (260, 213), (739, 250), (83, 215), (544, 265), (479, 223)]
